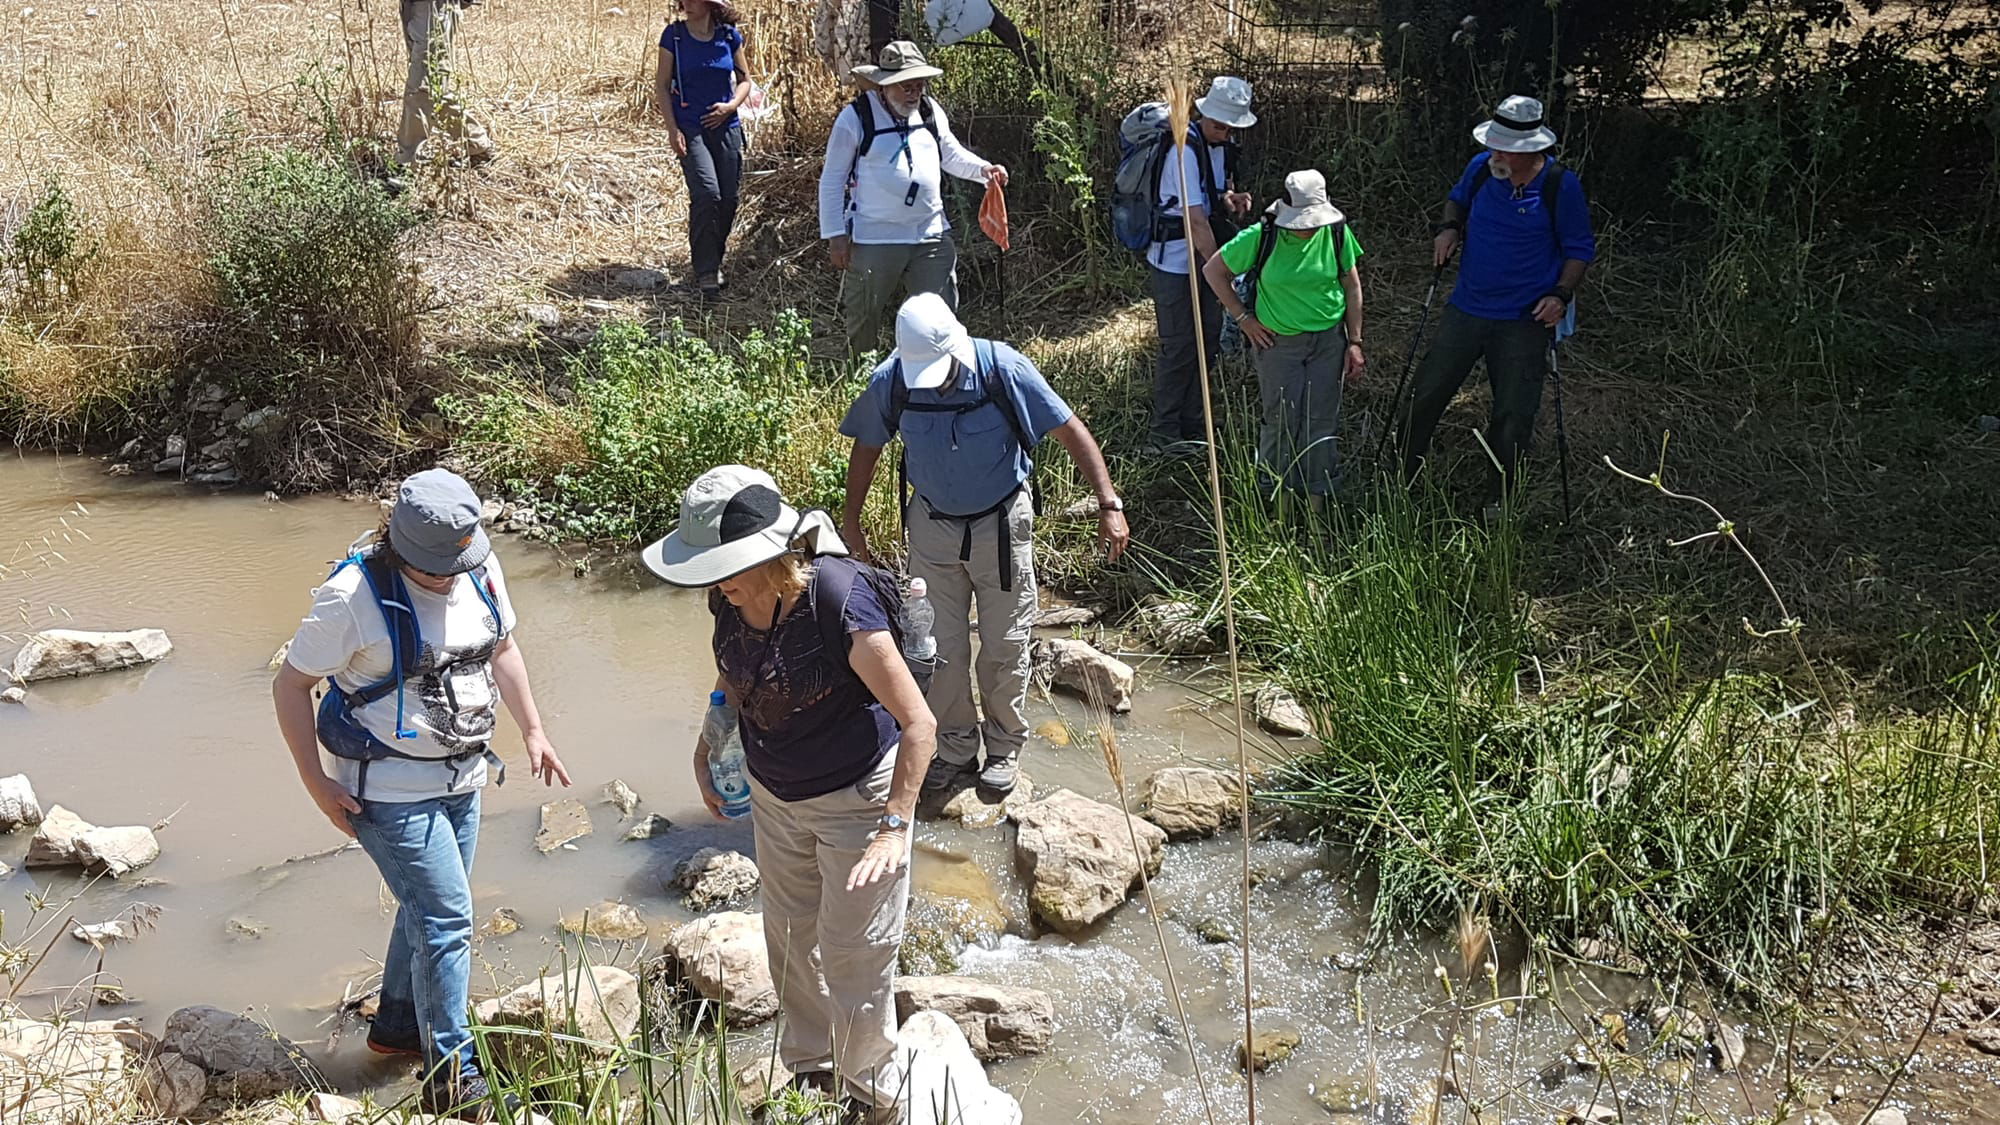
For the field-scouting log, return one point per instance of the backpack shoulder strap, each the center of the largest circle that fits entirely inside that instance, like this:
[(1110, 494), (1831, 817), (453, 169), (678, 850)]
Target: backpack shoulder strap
[(482, 584), (899, 397), (927, 112), (864, 115), (993, 384), (832, 584), (1552, 180), (1478, 183)]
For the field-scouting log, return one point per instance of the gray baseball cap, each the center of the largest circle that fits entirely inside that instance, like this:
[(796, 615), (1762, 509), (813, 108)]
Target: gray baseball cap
[(435, 524)]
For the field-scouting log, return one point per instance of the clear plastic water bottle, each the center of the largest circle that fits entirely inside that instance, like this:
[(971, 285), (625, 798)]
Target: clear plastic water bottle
[(726, 770), (919, 623)]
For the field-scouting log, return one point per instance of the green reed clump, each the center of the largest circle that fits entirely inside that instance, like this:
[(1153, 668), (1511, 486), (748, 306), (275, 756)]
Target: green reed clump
[(1729, 826)]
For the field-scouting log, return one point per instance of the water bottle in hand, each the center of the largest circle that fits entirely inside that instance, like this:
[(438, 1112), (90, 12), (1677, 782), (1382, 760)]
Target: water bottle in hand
[(919, 621), (726, 771)]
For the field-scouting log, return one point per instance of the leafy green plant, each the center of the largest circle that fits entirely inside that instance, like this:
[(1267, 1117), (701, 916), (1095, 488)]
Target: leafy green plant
[(51, 248)]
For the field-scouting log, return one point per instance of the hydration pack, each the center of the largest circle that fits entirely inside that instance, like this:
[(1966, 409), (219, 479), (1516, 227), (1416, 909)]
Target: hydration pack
[(339, 731), (1145, 144)]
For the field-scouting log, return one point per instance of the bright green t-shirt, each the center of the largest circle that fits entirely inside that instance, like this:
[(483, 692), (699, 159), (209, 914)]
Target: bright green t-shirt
[(1299, 290)]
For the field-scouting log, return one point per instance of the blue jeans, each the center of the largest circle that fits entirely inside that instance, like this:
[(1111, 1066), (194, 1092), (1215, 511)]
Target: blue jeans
[(424, 851)]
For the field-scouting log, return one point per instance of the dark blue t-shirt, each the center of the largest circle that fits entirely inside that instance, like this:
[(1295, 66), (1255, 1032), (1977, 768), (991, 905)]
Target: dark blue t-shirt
[(1511, 259), (810, 726), (704, 72)]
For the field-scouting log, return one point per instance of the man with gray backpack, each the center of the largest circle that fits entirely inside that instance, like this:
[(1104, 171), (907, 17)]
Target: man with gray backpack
[(969, 413), (1525, 225), (1147, 208)]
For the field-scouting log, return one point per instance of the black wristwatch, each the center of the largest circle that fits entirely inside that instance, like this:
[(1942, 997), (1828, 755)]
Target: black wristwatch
[(893, 822), (1449, 224), (1561, 294)]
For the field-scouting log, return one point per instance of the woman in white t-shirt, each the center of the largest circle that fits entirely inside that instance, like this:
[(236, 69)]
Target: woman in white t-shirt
[(415, 634)]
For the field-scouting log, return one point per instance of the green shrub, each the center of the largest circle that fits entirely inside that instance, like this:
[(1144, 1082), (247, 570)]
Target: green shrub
[(50, 249), (643, 417)]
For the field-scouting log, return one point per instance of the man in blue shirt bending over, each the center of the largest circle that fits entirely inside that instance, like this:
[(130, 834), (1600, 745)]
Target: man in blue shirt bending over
[(1526, 228), (970, 413)]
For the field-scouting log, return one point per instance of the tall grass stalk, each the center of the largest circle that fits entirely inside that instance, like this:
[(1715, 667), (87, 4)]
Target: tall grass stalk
[(1180, 99)]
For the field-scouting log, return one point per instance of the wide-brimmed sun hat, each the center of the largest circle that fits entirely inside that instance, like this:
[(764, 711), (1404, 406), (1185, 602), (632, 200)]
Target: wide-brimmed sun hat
[(734, 520), (901, 61), (1305, 205), (1227, 101), (928, 338), (1516, 126), (434, 525)]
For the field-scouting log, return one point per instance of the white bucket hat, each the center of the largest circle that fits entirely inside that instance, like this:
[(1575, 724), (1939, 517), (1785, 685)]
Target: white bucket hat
[(1228, 101), (901, 61), (1305, 206), (928, 339), (733, 520), (1516, 127)]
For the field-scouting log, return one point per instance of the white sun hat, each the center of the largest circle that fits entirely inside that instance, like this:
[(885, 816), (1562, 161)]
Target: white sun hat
[(928, 338), (1516, 126), (1228, 101), (1305, 205), (733, 520)]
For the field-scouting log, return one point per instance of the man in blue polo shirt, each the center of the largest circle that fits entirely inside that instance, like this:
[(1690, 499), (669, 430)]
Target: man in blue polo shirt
[(1526, 228), (969, 413)]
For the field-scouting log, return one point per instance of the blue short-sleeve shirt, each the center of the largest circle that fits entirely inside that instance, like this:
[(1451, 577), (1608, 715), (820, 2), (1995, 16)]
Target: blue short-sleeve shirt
[(1512, 257), (962, 464), (704, 72)]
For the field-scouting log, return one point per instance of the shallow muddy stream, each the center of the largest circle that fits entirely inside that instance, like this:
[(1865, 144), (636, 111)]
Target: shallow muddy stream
[(621, 669)]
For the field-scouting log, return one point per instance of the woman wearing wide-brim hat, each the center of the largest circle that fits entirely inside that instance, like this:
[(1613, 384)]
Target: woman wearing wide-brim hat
[(1306, 325), (837, 742), (414, 636)]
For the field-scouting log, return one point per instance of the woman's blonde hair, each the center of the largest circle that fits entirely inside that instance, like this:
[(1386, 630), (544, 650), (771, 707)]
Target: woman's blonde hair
[(786, 576)]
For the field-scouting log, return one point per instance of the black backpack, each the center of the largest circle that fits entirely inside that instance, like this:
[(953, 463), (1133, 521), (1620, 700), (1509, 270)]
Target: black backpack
[(833, 582), (870, 128), (992, 390)]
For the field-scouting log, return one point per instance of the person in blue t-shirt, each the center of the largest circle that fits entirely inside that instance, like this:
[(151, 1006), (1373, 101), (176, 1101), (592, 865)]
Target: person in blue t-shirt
[(703, 79), (969, 411), (1525, 225)]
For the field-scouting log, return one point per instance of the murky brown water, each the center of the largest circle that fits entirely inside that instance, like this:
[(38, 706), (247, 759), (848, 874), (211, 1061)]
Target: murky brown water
[(621, 669)]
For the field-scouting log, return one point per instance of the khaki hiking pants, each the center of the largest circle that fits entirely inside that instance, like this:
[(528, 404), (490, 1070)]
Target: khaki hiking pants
[(1006, 624), (430, 99), (832, 950), (877, 271)]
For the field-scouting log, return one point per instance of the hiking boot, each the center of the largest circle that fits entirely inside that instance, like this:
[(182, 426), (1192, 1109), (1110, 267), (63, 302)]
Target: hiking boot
[(999, 775), (468, 1098), (946, 777), (394, 1043)]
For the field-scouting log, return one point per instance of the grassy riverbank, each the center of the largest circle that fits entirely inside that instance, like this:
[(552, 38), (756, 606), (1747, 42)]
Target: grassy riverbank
[(1568, 728)]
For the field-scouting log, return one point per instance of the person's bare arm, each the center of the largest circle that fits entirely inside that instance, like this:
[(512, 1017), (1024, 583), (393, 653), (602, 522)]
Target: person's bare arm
[(1112, 532), (705, 784), (663, 94), (1201, 236), (1355, 361), (874, 658), (861, 462), (510, 672), (291, 697)]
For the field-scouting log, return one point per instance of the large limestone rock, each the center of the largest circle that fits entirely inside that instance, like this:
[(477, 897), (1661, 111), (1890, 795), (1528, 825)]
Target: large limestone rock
[(67, 840), (172, 1086), (55, 653), (1279, 712), (607, 921), (945, 1083), (1078, 667), (18, 806), (713, 877), (1174, 628), (600, 1004), (1077, 855), (722, 958), (244, 1060), (999, 1021), (65, 1074), (976, 808), (1191, 801)]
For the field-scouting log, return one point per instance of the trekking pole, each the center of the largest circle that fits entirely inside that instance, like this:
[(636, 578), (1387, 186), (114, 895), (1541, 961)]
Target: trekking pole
[(1409, 362), (1562, 431)]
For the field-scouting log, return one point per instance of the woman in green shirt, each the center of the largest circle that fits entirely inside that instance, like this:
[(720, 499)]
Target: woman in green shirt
[(1305, 322)]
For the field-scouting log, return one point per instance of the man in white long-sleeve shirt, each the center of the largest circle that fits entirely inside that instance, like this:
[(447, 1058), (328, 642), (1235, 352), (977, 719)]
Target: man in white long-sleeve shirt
[(881, 202)]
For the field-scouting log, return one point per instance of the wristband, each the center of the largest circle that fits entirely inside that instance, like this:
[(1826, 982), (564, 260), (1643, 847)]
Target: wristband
[(1112, 505), (1560, 294), (1449, 224)]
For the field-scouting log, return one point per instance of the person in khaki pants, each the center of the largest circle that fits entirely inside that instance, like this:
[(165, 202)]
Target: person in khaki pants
[(969, 412), (430, 101), (881, 207), (836, 744)]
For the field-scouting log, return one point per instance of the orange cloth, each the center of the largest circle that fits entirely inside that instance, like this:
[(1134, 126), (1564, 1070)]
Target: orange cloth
[(993, 215)]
